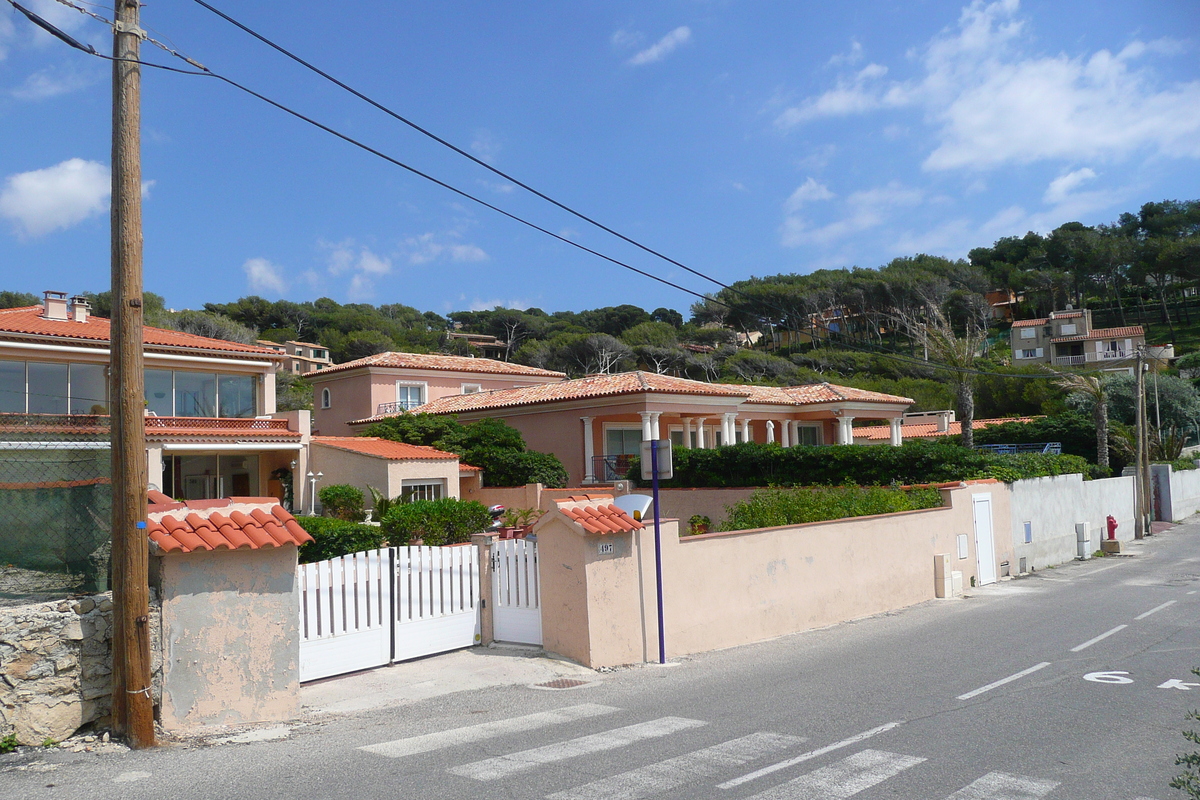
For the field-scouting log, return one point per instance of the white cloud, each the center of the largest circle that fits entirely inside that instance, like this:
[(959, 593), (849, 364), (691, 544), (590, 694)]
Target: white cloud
[(496, 186), (849, 58), (1062, 186), (484, 145), (862, 210), (808, 192), (994, 103), (263, 276), (488, 305), (427, 248), (361, 288), (345, 256), (7, 33), (627, 39), (467, 253), (663, 47), (51, 82), (55, 198)]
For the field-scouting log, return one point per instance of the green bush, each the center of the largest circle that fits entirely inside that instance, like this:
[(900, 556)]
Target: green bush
[(768, 508), (436, 522), (337, 537), (1075, 430), (516, 468), (1183, 464), (343, 501), (914, 462), (1189, 780)]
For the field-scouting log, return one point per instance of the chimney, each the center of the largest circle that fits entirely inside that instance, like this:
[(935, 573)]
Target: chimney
[(79, 308), (943, 421), (54, 305)]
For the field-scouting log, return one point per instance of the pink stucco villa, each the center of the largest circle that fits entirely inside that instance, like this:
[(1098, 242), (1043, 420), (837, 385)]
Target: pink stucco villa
[(595, 424), (390, 383)]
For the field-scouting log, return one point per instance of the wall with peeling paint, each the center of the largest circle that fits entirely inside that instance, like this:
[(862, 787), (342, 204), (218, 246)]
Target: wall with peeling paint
[(231, 649)]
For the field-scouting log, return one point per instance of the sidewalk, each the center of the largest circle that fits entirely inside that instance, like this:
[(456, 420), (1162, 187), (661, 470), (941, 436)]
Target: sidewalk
[(433, 676)]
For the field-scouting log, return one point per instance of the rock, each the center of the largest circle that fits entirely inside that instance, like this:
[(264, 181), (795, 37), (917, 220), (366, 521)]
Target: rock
[(85, 605)]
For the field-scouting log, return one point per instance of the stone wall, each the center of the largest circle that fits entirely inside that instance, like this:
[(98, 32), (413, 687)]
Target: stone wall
[(56, 666)]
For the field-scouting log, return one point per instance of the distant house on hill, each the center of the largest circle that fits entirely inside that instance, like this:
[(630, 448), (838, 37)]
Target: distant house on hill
[(1068, 339)]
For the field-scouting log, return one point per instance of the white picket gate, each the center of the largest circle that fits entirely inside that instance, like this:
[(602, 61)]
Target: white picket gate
[(516, 595), (372, 608)]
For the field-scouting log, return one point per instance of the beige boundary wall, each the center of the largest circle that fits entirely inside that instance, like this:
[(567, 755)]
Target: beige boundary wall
[(727, 589)]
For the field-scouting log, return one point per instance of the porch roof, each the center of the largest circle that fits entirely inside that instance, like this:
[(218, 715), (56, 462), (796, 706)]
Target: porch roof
[(384, 448), (1103, 333)]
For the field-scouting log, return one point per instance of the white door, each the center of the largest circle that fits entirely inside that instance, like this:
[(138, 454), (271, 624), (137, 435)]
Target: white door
[(516, 596), (985, 542)]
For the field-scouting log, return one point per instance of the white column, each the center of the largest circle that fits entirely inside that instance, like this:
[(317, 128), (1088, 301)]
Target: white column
[(845, 430), (700, 433), (154, 468), (897, 436), (654, 430), (727, 432), (646, 432), (785, 433), (795, 426), (589, 450), (745, 429), (770, 431), (687, 431)]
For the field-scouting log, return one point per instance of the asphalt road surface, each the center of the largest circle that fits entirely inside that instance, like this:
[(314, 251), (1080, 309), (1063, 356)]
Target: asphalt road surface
[(1072, 683)]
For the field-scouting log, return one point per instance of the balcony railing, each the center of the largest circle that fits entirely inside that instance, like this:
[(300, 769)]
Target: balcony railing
[(1045, 448), (248, 424), (611, 468), (394, 408), (1086, 358)]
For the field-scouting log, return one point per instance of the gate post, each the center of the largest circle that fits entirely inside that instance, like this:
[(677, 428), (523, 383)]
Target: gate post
[(483, 547)]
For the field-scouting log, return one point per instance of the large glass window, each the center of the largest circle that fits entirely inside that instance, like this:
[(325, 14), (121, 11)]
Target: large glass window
[(237, 395), (195, 394), (808, 435), (421, 490), (238, 476), (47, 388), (195, 477), (408, 396), (12, 387), (623, 441), (89, 389), (160, 392)]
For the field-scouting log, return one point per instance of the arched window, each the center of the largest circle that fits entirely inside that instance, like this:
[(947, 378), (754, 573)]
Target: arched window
[(325, 400)]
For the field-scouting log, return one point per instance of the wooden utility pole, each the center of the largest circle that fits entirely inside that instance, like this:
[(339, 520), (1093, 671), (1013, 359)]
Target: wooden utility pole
[(132, 704), (1140, 466)]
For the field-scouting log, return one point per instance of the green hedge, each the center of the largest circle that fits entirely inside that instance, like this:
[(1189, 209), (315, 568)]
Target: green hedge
[(337, 537), (768, 508), (912, 463), (436, 522)]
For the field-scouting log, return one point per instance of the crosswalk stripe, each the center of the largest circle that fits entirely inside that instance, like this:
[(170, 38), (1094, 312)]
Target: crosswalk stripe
[(487, 730), (665, 775), (809, 756), (502, 766), (843, 779), (1001, 786)]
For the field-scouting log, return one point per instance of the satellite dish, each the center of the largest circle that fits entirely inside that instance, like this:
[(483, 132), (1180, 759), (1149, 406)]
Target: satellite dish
[(635, 505)]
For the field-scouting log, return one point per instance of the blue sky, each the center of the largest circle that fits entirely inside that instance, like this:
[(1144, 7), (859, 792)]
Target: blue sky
[(740, 138)]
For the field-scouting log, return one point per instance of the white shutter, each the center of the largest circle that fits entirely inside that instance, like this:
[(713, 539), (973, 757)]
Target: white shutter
[(1129, 345), (1099, 347), (1038, 353)]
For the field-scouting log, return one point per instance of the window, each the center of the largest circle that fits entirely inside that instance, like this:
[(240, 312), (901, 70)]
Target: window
[(12, 387), (623, 442), (195, 394), (207, 477), (409, 395), (422, 489), (471, 388), (1028, 333), (89, 389), (808, 435), (1067, 329), (47, 388), (237, 395), (325, 400), (1031, 353), (160, 392)]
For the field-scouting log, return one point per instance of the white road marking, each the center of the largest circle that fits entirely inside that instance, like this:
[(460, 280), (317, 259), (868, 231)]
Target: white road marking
[(674, 772), (1116, 676), (1175, 683), (791, 762), (1000, 786), (1191, 592), (486, 730), (1003, 681), (1155, 609), (491, 769), (846, 778), (1101, 637)]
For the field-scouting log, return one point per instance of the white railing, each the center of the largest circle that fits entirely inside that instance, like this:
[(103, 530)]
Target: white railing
[(1086, 358)]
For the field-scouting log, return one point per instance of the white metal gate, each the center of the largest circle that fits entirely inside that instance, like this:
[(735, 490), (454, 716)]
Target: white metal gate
[(985, 542), (516, 595), (372, 608)]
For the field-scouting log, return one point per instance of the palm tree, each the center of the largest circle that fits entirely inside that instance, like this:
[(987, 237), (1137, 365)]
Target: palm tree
[(1094, 389), (956, 353)]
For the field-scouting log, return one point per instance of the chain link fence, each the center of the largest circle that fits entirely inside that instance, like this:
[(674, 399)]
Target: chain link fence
[(55, 506)]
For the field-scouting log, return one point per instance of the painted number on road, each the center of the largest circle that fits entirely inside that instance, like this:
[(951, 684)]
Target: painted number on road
[(1108, 677)]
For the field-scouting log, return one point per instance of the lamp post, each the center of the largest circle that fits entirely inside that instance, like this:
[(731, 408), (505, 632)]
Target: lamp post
[(312, 492)]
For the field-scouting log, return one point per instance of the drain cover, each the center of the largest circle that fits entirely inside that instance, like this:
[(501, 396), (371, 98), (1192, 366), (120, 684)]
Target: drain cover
[(560, 683)]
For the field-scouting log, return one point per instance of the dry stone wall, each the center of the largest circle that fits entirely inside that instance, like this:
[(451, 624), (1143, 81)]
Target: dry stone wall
[(56, 666)]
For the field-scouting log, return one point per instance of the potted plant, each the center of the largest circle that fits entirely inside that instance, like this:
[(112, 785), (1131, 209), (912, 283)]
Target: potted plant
[(518, 522), (698, 524)]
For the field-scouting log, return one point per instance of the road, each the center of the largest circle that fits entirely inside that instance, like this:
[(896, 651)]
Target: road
[(1072, 683)]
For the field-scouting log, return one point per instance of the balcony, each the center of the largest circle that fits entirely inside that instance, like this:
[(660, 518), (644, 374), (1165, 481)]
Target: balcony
[(607, 469), (395, 408), (1090, 358)]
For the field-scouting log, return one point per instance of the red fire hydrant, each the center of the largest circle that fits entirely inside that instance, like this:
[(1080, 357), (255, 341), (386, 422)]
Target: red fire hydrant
[(1112, 527)]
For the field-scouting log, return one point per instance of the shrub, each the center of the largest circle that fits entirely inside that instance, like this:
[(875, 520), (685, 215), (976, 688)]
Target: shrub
[(914, 462), (773, 507), (1189, 780), (516, 468), (336, 537), (436, 522), (1183, 464), (342, 501)]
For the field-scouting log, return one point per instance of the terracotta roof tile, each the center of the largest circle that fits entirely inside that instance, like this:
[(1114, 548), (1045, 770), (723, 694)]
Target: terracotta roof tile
[(1028, 323), (439, 362), (1104, 333), (594, 515), (384, 448), (29, 321), (227, 524), (928, 430)]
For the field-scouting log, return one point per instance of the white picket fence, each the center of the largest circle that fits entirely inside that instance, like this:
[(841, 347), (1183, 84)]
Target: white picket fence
[(372, 608), (516, 600)]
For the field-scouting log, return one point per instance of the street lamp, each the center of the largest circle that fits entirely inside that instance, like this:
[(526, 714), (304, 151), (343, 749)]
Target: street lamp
[(312, 492)]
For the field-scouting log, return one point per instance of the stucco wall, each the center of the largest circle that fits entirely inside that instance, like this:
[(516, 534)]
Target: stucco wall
[(1183, 495), (726, 589), (1053, 505), (362, 471), (231, 640), (56, 666)]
